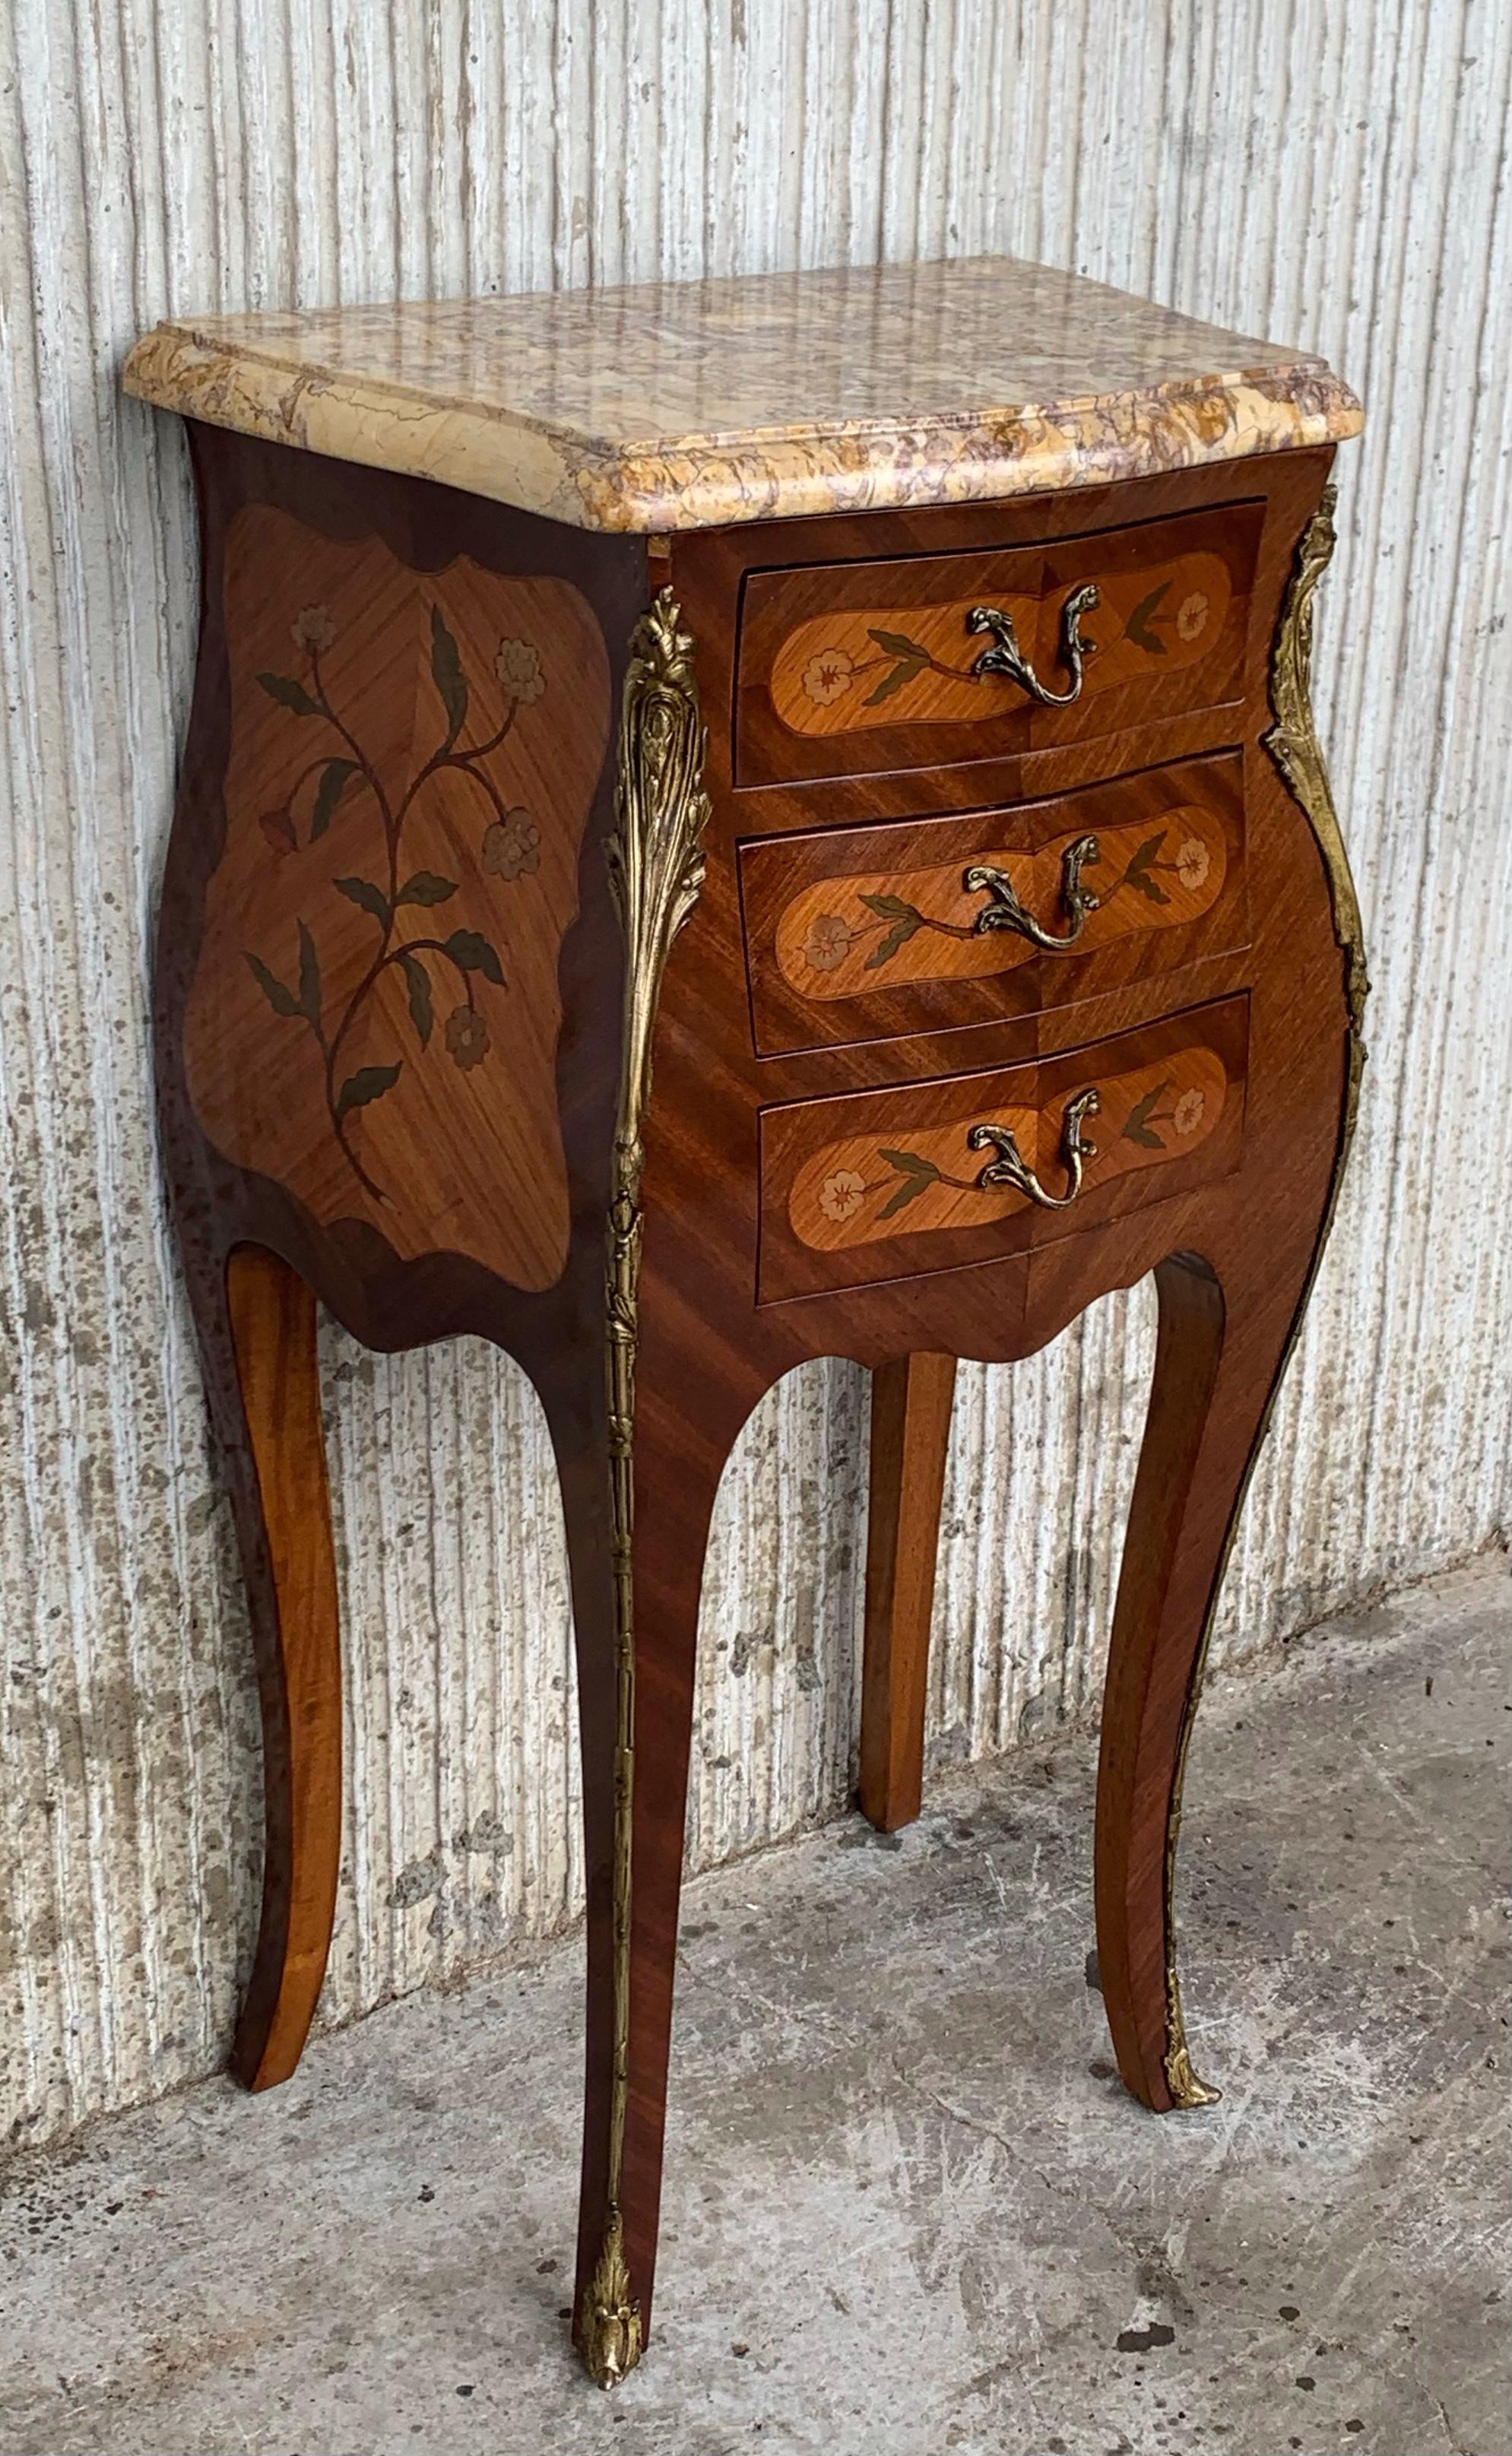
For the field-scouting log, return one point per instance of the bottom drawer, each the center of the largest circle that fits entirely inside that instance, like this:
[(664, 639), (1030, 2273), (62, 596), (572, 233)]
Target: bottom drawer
[(883, 1186)]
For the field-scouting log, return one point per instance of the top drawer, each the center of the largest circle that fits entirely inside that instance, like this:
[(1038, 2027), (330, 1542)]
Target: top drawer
[(856, 669)]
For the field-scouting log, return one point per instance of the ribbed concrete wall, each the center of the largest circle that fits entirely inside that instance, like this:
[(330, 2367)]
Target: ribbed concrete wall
[(1332, 175)]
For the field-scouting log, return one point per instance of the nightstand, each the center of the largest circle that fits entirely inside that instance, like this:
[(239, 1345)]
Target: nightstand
[(722, 824)]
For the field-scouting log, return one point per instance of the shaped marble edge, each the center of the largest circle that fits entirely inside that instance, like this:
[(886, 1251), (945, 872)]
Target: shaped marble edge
[(689, 481)]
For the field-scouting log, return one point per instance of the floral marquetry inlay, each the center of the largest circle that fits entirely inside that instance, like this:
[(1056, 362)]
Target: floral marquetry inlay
[(868, 1188), (857, 667), (375, 1009), (849, 936)]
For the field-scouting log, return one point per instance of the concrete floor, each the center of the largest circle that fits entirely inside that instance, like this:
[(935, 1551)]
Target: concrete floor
[(910, 2208)]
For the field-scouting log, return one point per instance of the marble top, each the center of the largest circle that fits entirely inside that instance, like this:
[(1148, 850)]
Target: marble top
[(692, 404)]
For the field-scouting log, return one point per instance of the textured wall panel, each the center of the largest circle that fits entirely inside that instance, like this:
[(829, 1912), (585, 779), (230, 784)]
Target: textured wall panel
[(1338, 178)]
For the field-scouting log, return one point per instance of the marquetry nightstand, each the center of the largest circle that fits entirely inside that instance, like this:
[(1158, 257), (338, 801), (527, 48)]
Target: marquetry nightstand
[(880, 699)]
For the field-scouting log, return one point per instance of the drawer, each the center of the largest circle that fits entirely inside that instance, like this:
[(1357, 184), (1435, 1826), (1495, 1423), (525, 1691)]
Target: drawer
[(883, 1186), (868, 933), (854, 668)]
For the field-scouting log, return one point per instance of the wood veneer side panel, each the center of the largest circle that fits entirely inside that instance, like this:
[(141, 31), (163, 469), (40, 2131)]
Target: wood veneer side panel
[(384, 1298), (375, 1011)]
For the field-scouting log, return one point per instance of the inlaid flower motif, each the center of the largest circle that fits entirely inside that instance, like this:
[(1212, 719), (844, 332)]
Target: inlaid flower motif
[(828, 942), (517, 665), (312, 628), (512, 846), (467, 1036), (1192, 862), (1191, 614), (841, 1196), (1188, 1112), (828, 676)]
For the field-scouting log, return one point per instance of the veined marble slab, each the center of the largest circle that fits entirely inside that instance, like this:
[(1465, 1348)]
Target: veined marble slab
[(692, 404)]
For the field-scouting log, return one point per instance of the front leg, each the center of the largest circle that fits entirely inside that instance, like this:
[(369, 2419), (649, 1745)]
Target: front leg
[(1225, 1330), (637, 1539), (635, 1617), (1228, 1320)]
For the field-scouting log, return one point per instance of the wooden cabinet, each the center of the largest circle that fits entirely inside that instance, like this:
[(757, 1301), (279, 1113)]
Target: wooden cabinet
[(723, 825)]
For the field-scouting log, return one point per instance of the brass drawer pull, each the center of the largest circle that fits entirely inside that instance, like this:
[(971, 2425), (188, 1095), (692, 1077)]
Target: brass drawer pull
[(1007, 912), (1006, 657), (1010, 1168)]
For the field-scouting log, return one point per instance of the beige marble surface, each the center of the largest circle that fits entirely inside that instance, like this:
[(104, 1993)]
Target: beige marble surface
[(693, 404)]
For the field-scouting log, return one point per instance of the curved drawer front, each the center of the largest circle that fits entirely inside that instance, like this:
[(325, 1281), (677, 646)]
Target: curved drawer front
[(868, 933), (887, 1184), (847, 669)]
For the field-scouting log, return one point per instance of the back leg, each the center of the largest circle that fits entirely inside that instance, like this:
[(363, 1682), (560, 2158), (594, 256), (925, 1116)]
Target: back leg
[(911, 1432), (257, 1330)]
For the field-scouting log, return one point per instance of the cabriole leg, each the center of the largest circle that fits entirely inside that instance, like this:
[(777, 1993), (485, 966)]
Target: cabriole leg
[(635, 1810), (265, 1380), (1224, 1333)]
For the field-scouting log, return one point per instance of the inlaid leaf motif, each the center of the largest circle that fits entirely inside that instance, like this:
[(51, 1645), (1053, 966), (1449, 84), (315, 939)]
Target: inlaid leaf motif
[(367, 1084), (893, 681), (918, 1174), (1137, 873), (281, 1000), (1138, 629), (309, 977), (290, 694), (913, 658), (329, 791), (1136, 1128), (423, 887), (372, 899), (446, 669), (417, 982), (470, 949), (906, 919)]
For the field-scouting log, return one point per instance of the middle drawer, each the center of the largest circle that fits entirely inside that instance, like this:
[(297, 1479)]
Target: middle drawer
[(874, 932)]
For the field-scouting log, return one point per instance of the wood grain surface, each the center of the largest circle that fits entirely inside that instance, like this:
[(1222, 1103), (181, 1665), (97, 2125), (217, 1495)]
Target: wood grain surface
[(705, 1357), (240, 1225), (923, 923)]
